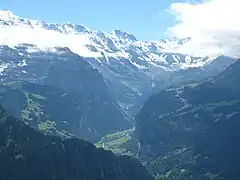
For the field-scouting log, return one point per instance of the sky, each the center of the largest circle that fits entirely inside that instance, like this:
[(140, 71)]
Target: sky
[(212, 25), (146, 19)]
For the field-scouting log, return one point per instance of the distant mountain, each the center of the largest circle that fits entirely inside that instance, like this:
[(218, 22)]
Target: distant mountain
[(26, 154), (193, 129), (59, 88), (132, 69)]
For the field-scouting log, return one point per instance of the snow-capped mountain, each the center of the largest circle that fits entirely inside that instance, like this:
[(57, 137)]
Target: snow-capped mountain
[(131, 68), (116, 44)]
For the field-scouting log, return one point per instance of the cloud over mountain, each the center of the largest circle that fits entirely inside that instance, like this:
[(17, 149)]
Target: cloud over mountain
[(44, 39), (213, 26)]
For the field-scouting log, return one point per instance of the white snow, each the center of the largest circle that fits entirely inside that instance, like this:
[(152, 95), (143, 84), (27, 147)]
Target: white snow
[(7, 15), (2, 67), (22, 63), (78, 38)]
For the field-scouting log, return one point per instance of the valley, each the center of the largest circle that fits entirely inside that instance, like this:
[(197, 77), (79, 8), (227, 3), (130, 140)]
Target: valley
[(150, 111)]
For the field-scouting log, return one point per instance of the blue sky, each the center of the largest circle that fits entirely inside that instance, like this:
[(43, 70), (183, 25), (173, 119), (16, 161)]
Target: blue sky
[(146, 19)]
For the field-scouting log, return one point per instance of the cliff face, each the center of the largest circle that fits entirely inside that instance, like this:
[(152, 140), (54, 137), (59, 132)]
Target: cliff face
[(195, 125), (59, 87), (26, 154)]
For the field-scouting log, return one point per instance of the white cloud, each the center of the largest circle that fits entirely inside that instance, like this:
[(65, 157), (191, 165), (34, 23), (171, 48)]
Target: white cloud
[(44, 39), (213, 26)]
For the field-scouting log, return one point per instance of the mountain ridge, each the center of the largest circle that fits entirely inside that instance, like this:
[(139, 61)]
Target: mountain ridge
[(193, 125), (113, 42), (38, 80), (133, 70), (27, 154)]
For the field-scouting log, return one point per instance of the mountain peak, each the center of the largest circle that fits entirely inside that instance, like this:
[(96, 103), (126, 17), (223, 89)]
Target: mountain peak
[(163, 54), (123, 35), (230, 75), (7, 15)]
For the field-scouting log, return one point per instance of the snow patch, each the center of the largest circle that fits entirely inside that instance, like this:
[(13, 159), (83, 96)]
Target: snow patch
[(2, 67), (95, 44), (22, 63)]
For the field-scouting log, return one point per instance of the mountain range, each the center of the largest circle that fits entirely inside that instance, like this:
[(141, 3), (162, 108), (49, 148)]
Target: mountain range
[(133, 70), (178, 114)]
